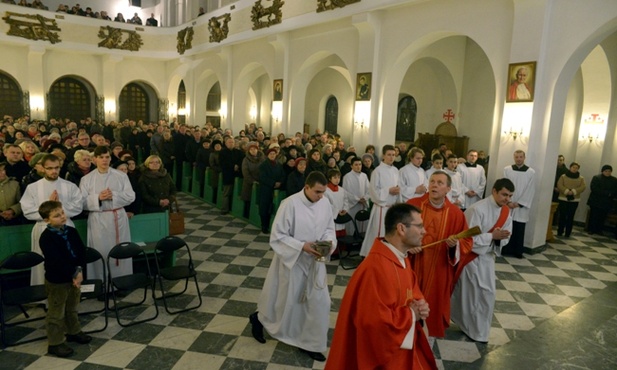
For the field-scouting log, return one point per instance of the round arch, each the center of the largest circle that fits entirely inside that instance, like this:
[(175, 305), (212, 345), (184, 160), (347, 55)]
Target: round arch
[(12, 99), (74, 97), (138, 101)]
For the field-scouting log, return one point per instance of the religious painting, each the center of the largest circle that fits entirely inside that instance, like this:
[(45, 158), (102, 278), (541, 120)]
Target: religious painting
[(521, 81), (277, 90), (363, 86)]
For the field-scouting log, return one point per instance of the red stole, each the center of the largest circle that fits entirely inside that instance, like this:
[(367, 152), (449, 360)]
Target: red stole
[(468, 257)]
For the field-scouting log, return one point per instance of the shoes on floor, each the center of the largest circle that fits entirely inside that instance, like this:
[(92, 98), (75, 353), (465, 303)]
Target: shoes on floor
[(60, 350), (257, 328), (317, 356), (81, 338)]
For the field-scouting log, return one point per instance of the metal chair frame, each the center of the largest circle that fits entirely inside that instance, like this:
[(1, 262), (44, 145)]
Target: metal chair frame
[(351, 243), (172, 244), (100, 288), (130, 282), (19, 296)]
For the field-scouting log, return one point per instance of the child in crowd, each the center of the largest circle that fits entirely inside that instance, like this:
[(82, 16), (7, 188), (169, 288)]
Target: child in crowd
[(437, 161), (336, 196), (64, 260), (458, 189)]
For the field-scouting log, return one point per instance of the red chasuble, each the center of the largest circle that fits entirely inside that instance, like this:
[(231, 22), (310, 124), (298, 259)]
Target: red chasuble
[(434, 265), (374, 318)]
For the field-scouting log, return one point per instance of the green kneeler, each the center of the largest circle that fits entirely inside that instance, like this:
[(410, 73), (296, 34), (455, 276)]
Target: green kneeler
[(195, 184), (254, 211), (208, 189), (237, 204), (187, 175)]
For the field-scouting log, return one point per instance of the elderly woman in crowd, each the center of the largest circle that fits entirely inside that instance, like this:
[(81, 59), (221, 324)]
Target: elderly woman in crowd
[(156, 186), (80, 167), (250, 171), (29, 149), (570, 185)]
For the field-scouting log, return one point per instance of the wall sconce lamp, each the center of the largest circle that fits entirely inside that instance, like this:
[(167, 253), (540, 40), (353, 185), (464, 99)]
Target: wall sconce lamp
[(513, 133), (253, 113), (590, 137), (362, 114), (222, 113), (360, 123), (181, 112)]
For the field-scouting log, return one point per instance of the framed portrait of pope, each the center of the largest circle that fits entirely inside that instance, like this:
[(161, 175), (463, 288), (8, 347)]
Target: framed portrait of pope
[(521, 82)]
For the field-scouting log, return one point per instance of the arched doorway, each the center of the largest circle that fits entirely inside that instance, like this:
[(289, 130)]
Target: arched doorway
[(71, 97), (11, 96), (138, 101)]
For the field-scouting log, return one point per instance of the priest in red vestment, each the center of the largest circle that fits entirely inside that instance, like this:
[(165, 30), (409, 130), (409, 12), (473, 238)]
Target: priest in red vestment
[(377, 325), (435, 266)]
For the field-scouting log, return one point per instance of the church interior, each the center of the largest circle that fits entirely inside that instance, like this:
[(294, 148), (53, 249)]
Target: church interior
[(433, 70)]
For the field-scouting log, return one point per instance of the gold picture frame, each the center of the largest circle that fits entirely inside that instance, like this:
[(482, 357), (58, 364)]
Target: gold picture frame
[(363, 86), (521, 82), (277, 90)]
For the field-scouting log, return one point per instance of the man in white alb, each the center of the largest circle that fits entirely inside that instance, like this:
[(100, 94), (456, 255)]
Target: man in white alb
[(294, 305), (412, 178), (385, 192), (50, 187), (106, 191), (356, 187), (473, 177)]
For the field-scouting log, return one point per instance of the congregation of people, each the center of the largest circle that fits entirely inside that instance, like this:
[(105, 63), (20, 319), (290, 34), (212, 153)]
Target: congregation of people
[(419, 212), (87, 12)]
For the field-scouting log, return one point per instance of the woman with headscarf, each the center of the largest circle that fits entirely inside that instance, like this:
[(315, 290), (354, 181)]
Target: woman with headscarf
[(570, 185), (296, 179), (315, 163)]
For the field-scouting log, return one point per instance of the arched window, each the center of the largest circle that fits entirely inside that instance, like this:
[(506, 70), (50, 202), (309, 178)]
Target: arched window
[(134, 103), (331, 121), (181, 103), (11, 97), (406, 119), (70, 98), (213, 104)]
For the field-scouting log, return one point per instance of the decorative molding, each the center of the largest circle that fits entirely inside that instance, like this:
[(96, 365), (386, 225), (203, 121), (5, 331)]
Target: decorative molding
[(323, 5), (112, 39), (26, 103), (219, 33), (272, 14), (32, 27), (185, 40)]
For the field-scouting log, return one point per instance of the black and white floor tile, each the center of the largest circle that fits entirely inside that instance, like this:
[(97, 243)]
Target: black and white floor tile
[(232, 258)]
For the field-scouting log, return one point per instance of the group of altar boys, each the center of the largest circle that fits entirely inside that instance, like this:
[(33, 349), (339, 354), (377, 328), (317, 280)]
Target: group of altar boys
[(421, 268)]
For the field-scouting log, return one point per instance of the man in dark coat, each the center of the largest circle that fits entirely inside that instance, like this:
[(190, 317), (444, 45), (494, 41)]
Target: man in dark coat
[(600, 202), (231, 165)]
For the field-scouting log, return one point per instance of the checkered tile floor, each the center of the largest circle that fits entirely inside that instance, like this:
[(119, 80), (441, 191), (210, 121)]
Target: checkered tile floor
[(232, 258)]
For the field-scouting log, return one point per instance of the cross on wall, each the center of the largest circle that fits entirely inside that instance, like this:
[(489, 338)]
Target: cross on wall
[(449, 116)]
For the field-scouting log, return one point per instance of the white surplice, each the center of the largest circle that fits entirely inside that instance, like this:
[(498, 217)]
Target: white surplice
[(337, 202), (108, 223), (294, 305), (356, 187), (474, 179), (473, 299), (37, 193), (410, 177), (524, 191), (382, 179), (457, 190)]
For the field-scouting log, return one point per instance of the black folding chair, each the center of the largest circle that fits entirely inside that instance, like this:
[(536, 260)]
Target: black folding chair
[(19, 296), (130, 282), (361, 217), (172, 244), (348, 245), (100, 287)]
